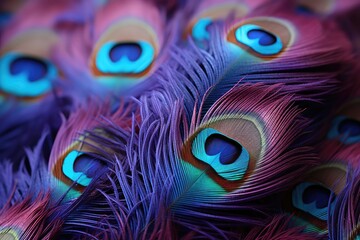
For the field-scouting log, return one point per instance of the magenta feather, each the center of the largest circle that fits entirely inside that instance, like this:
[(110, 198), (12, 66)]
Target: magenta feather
[(26, 220), (279, 228)]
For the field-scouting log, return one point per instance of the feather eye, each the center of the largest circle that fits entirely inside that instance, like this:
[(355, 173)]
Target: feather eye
[(230, 145), (318, 7), (73, 161), (343, 135), (285, 36), (264, 38), (128, 45), (346, 125), (198, 27), (130, 54), (77, 156), (234, 140), (77, 167), (27, 71), (31, 40), (311, 199)]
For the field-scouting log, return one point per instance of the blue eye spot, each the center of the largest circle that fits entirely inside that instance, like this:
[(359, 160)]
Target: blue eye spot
[(80, 168), (34, 68), (312, 198), (4, 18), (208, 26), (226, 156), (304, 10), (258, 39), (347, 130), (26, 76), (131, 50), (317, 194), (350, 127), (88, 163), (265, 38), (228, 149), (125, 57), (200, 30)]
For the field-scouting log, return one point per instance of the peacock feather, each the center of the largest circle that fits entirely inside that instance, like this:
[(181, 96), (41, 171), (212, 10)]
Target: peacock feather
[(153, 119)]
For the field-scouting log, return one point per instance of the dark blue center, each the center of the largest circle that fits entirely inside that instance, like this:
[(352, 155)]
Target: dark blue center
[(303, 10), (4, 17), (131, 50), (33, 67), (229, 149), (209, 25), (265, 38), (349, 127), (89, 164), (318, 194)]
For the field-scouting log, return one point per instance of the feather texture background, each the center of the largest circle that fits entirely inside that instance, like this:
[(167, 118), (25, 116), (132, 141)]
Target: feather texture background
[(179, 119)]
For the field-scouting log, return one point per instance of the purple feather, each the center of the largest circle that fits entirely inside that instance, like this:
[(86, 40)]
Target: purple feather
[(345, 220)]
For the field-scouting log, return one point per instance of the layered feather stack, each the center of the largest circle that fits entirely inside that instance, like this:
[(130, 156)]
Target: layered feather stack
[(139, 119)]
